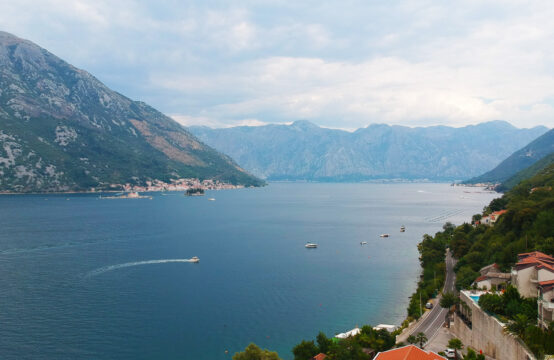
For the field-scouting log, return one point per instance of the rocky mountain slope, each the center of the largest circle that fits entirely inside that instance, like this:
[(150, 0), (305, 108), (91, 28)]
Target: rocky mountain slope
[(63, 130), (527, 173), (519, 160), (304, 151)]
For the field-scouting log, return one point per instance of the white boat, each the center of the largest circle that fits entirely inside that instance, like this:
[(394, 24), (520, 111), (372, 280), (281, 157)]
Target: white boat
[(363, 242), (384, 235), (310, 245), (211, 199), (194, 259), (402, 228)]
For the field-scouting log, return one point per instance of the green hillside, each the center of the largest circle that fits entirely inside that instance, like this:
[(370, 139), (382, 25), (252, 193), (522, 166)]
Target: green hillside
[(518, 161), (63, 130), (527, 173)]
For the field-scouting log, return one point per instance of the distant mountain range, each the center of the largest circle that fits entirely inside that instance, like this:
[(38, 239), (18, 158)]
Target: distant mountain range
[(520, 160), (63, 130), (304, 151)]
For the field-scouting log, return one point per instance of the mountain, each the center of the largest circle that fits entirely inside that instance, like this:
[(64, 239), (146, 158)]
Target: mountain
[(519, 160), (305, 151), (527, 173), (63, 130)]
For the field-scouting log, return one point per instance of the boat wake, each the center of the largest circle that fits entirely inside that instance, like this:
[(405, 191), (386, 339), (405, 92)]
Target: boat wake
[(105, 269)]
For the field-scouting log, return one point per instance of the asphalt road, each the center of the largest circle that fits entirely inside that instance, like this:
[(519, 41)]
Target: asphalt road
[(435, 319)]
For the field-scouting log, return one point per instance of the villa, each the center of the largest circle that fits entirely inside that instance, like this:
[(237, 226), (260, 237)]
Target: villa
[(546, 303), (491, 275), (530, 270), (492, 218)]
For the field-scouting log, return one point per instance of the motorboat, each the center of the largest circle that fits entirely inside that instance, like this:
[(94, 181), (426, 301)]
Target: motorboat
[(384, 235), (194, 259), (310, 245), (363, 242), (402, 228)]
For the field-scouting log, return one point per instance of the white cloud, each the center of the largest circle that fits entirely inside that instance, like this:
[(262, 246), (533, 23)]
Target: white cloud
[(338, 64)]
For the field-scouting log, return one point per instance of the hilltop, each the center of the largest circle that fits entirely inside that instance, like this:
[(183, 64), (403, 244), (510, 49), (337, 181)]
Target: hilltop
[(61, 129)]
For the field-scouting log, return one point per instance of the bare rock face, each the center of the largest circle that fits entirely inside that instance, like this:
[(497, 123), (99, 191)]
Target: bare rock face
[(53, 115)]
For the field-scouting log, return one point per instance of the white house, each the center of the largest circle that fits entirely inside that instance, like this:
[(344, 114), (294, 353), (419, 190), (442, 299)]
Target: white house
[(531, 269)]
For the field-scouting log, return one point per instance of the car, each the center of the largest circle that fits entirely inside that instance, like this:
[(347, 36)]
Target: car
[(450, 353), (429, 305)]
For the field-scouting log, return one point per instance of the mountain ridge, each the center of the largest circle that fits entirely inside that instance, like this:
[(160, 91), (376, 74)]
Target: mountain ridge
[(521, 159), (304, 151), (61, 129)]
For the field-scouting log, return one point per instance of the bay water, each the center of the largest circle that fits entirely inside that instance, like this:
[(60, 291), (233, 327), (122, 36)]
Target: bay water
[(89, 278)]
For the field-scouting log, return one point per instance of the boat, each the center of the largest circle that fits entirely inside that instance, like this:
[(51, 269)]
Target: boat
[(194, 259), (402, 228), (384, 235), (310, 245), (363, 242), (211, 199)]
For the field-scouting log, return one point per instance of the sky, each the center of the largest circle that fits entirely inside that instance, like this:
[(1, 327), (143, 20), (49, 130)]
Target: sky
[(340, 64)]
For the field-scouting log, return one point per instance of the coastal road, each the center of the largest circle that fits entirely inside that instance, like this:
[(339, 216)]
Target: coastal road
[(433, 321)]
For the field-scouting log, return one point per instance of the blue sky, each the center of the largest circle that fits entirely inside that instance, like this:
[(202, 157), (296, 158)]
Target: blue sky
[(341, 64)]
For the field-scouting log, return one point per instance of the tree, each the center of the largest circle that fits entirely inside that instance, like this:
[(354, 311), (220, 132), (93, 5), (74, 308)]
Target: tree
[(421, 339), (305, 350), (448, 300), (411, 339), (518, 325), (323, 342), (455, 344), (253, 352)]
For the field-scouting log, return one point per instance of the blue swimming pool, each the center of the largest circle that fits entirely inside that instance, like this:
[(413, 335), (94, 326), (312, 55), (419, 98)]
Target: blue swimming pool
[(475, 298)]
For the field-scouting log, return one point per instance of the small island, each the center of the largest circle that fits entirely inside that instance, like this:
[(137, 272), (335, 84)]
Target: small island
[(194, 192)]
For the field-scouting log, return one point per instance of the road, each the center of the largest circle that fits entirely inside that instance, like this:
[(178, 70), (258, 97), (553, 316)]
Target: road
[(433, 321)]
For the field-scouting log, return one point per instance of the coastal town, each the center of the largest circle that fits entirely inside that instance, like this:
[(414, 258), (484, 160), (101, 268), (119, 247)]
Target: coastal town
[(173, 185)]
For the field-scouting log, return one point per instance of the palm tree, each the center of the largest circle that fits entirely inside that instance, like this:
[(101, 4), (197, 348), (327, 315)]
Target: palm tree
[(421, 339), (518, 325), (411, 339), (455, 344)]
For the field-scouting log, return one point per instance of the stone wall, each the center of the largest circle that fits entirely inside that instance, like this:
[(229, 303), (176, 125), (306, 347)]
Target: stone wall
[(487, 335)]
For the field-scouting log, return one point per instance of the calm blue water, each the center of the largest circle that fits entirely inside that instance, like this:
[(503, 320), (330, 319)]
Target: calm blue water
[(255, 282)]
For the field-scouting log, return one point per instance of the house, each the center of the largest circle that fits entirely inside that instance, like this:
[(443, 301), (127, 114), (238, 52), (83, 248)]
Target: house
[(545, 302), (531, 269), (495, 215), (492, 218), (389, 328), (491, 275), (319, 356), (348, 334), (410, 352)]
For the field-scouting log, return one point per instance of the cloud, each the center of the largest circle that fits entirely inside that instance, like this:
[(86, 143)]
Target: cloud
[(339, 64)]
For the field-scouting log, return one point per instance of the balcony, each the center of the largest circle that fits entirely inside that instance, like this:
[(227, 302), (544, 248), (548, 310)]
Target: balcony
[(547, 305)]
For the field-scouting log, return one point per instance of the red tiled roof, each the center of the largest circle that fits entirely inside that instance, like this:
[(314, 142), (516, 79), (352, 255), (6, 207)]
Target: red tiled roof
[(536, 258), (410, 352), (535, 254), (319, 356), (481, 278), (546, 285)]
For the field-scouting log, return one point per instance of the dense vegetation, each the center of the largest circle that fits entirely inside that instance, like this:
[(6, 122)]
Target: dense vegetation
[(527, 173), (526, 226), (432, 251), (520, 314)]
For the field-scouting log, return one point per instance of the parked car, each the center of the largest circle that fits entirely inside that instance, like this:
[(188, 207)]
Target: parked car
[(450, 353), (429, 305)]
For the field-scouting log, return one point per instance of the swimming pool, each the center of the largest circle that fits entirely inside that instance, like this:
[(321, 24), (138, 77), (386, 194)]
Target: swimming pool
[(475, 298)]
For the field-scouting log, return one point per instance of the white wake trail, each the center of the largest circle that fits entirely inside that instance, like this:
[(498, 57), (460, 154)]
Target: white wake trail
[(135, 263)]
